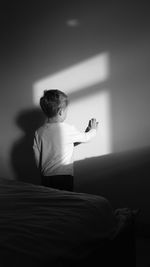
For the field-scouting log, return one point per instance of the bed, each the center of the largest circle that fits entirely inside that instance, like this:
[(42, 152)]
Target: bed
[(41, 226)]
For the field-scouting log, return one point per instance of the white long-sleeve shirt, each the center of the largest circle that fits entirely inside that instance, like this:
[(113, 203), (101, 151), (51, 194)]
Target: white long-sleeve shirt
[(53, 147)]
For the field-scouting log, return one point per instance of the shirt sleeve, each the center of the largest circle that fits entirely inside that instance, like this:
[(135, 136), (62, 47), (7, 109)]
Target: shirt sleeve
[(81, 137), (36, 150)]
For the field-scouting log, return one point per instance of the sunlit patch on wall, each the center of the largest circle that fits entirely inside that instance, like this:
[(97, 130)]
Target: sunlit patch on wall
[(80, 76), (86, 85), (94, 106)]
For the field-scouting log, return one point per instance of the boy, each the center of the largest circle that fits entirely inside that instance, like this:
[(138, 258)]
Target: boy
[(55, 140)]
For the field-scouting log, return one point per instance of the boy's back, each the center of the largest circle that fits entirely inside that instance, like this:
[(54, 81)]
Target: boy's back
[(55, 149)]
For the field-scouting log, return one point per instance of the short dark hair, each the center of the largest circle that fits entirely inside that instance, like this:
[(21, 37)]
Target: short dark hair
[(52, 101)]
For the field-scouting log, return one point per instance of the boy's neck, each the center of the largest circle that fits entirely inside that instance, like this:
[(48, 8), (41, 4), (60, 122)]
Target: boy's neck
[(54, 120)]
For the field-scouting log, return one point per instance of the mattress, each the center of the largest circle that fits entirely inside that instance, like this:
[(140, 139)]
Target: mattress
[(40, 224)]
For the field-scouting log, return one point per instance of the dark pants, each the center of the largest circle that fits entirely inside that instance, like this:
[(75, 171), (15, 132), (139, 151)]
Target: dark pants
[(62, 182)]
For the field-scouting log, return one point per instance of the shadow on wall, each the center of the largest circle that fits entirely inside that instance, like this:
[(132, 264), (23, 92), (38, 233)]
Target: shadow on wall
[(22, 157), (121, 177)]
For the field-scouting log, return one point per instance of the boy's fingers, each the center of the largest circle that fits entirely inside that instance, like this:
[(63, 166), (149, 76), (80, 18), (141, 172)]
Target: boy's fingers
[(93, 122)]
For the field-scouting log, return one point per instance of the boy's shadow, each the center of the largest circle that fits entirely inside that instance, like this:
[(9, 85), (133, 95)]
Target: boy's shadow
[(22, 156)]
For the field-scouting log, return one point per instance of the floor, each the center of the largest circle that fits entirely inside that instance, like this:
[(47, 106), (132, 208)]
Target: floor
[(142, 252)]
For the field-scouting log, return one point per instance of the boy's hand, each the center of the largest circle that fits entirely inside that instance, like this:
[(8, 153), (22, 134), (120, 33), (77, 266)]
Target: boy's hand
[(93, 124)]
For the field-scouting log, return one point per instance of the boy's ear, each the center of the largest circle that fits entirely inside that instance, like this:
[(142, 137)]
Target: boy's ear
[(60, 111)]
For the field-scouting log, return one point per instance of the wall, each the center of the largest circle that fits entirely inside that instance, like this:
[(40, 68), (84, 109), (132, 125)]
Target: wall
[(39, 40)]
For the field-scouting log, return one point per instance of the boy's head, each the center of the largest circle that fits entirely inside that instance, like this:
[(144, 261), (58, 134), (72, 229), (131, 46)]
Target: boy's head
[(54, 104)]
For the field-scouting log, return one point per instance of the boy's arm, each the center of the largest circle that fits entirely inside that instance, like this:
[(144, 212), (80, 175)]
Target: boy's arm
[(89, 133)]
